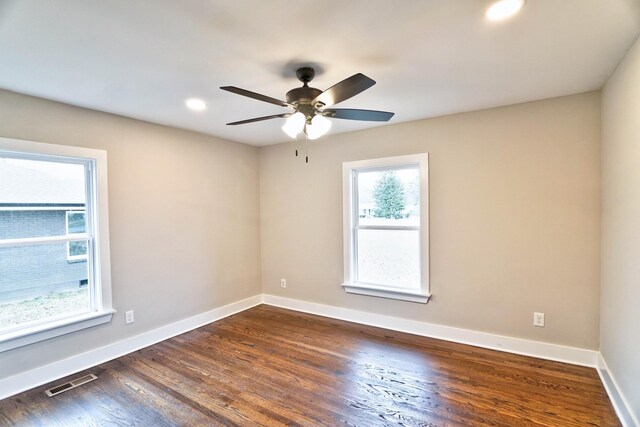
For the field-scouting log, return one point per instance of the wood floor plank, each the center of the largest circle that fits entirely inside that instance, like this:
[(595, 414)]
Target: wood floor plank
[(273, 367)]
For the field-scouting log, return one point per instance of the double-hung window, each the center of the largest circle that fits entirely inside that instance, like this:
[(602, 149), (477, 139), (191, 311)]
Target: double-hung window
[(54, 248), (386, 227)]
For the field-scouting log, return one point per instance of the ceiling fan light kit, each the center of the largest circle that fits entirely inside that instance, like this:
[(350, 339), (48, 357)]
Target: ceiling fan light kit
[(319, 126), (294, 125), (503, 9), (309, 106)]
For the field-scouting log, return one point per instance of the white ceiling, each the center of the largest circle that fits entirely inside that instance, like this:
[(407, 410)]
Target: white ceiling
[(430, 57)]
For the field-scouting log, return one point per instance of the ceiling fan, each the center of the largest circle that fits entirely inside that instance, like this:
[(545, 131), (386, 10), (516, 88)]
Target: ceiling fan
[(309, 106)]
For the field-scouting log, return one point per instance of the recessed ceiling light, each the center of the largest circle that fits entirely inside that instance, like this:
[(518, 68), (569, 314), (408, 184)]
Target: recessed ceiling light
[(195, 104), (503, 9)]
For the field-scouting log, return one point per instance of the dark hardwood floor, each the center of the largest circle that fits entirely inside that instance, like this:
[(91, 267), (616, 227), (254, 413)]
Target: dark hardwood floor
[(272, 367)]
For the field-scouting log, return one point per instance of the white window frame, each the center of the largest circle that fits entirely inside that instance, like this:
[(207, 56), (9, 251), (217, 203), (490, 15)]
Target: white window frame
[(97, 235), (420, 294), (66, 216)]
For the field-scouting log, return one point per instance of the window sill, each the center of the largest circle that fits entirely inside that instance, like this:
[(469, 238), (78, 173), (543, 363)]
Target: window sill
[(385, 292), (49, 330)]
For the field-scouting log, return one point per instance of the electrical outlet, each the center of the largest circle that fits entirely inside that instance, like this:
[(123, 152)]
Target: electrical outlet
[(538, 319), (283, 283), (128, 317)]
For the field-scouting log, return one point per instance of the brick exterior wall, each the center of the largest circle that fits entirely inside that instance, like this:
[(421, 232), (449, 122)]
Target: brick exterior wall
[(32, 270)]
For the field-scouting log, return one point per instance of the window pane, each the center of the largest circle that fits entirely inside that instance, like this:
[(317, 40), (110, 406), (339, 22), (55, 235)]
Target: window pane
[(38, 282), (77, 249), (389, 257), (389, 197), (75, 222), (34, 196)]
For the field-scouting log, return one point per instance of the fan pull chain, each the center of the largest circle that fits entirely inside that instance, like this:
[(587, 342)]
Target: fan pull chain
[(296, 144)]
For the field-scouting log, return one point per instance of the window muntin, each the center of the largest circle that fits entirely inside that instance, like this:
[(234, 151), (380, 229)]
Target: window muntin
[(386, 239), (37, 180)]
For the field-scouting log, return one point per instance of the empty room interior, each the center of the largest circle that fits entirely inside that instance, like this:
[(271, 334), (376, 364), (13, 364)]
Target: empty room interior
[(320, 213)]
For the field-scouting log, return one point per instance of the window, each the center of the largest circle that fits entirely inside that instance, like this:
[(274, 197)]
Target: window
[(76, 225), (386, 222), (54, 243)]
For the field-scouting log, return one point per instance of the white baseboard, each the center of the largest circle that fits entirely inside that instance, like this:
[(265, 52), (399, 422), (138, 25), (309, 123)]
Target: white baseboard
[(27, 380), (620, 403), (559, 353), (36, 377)]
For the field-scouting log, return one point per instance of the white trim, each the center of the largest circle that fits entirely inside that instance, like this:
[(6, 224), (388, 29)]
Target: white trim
[(36, 377), (350, 224), (44, 240), (618, 400), (97, 218), (38, 208), (559, 353), (384, 292), (388, 227), (62, 368), (52, 329)]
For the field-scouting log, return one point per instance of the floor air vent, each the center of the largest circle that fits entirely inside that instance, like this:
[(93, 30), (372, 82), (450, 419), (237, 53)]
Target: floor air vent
[(69, 385)]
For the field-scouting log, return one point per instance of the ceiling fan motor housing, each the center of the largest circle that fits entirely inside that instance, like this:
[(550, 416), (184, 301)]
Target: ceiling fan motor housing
[(302, 95)]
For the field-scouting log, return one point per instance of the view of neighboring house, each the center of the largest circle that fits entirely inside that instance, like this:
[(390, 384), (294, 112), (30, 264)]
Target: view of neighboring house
[(39, 201)]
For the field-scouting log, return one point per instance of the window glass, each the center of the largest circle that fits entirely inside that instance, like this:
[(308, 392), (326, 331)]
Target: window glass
[(76, 225), (75, 222), (389, 257), (37, 283), (387, 236), (77, 249), (41, 280), (389, 197)]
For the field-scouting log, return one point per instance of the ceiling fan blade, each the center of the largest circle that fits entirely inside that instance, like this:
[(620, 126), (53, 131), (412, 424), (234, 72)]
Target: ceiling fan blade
[(344, 90), (259, 119), (254, 95), (351, 114)]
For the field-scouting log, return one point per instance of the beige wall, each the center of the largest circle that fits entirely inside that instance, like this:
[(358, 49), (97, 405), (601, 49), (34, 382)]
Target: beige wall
[(620, 301), (184, 224), (515, 218)]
